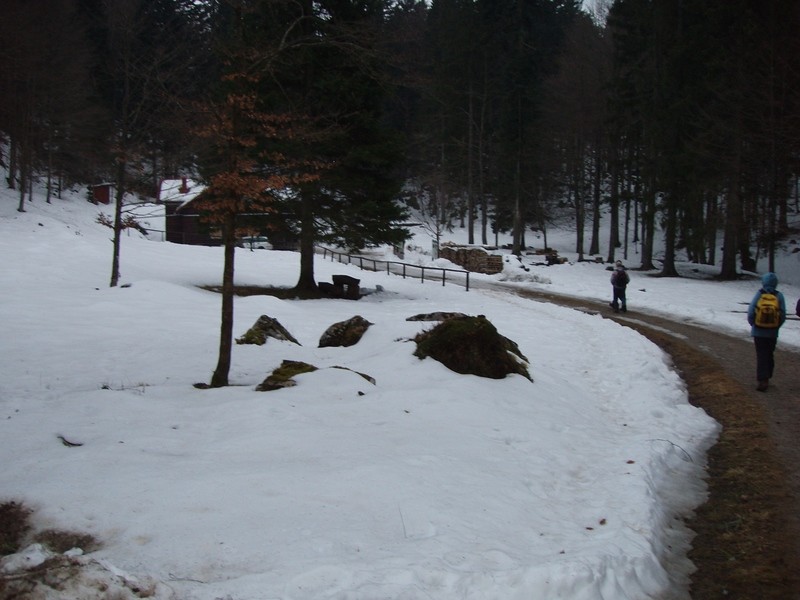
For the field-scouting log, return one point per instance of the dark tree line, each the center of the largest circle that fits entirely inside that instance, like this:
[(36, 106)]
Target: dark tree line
[(45, 105), (703, 125), (681, 118)]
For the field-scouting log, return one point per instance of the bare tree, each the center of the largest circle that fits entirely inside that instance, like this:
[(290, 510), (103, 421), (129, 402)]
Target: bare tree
[(150, 55)]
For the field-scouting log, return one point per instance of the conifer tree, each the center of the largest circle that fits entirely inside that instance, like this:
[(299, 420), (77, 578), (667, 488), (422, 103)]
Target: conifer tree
[(243, 163), (333, 70)]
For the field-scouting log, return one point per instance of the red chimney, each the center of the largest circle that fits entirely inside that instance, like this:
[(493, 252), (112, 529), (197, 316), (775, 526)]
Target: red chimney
[(184, 189)]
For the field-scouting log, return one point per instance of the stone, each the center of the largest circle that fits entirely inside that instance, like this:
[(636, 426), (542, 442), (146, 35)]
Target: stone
[(472, 345), (344, 333), (282, 377), (266, 327), (436, 316)]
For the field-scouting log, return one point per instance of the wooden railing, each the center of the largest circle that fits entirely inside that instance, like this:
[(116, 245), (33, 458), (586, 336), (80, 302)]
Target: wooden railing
[(391, 267)]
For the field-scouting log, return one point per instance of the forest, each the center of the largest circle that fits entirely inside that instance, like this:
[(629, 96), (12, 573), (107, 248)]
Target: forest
[(328, 118)]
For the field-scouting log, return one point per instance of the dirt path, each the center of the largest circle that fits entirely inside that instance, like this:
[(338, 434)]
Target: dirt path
[(748, 533)]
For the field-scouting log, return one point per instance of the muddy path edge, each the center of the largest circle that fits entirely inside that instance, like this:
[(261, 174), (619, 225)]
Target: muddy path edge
[(747, 543)]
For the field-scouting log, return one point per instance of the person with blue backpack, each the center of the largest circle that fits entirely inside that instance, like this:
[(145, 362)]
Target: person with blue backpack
[(766, 314)]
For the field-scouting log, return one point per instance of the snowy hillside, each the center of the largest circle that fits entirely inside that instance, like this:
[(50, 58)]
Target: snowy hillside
[(427, 484)]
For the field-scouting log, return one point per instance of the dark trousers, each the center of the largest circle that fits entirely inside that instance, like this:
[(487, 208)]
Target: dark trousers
[(765, 357), (619, 298)]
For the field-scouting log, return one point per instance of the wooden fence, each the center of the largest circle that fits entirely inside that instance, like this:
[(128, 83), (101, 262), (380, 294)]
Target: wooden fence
[(398, 268)]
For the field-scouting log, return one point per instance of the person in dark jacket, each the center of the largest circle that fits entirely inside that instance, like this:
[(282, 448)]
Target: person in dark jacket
[(619, 282), (765, 339)]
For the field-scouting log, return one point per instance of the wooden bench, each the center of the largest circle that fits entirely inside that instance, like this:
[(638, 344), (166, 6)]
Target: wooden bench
[(343, 286)]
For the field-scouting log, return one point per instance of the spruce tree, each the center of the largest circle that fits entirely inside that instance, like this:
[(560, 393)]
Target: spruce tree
[(332, 70)]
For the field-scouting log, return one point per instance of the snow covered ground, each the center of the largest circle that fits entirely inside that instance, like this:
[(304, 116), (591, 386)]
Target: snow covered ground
[(427, 484)]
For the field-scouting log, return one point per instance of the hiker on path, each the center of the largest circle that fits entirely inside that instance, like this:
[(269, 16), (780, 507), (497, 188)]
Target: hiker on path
[(766, 314), (619, 281), (797, 309)]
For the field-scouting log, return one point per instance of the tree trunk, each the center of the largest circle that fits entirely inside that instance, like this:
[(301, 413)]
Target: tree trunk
[(746, 259), (712, 214), (772, 233), (579, 216), (12, 163), (637, 192), (483, 199), (648, 217), (668, 268), (544, 236), (516, 246), (120, 183), (23, 174), (481, 179), (628, 202), (49, 169), (220, 376), (597, 181), (470, 169), (730, 241), (306, 281), (613, 227)]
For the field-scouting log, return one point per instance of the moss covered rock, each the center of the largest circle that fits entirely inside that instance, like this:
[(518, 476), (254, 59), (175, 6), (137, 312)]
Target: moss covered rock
[(344, 333), (472, 345), (283, 376), (266, 327)]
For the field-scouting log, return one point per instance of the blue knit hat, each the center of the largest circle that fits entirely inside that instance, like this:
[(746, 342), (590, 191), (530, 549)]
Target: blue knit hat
[(769, 281)]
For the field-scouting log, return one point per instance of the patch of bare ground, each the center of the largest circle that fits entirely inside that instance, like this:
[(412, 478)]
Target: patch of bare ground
[(277, 292)]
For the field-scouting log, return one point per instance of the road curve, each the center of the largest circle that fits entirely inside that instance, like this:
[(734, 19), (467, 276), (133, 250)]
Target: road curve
[(753, 476)]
